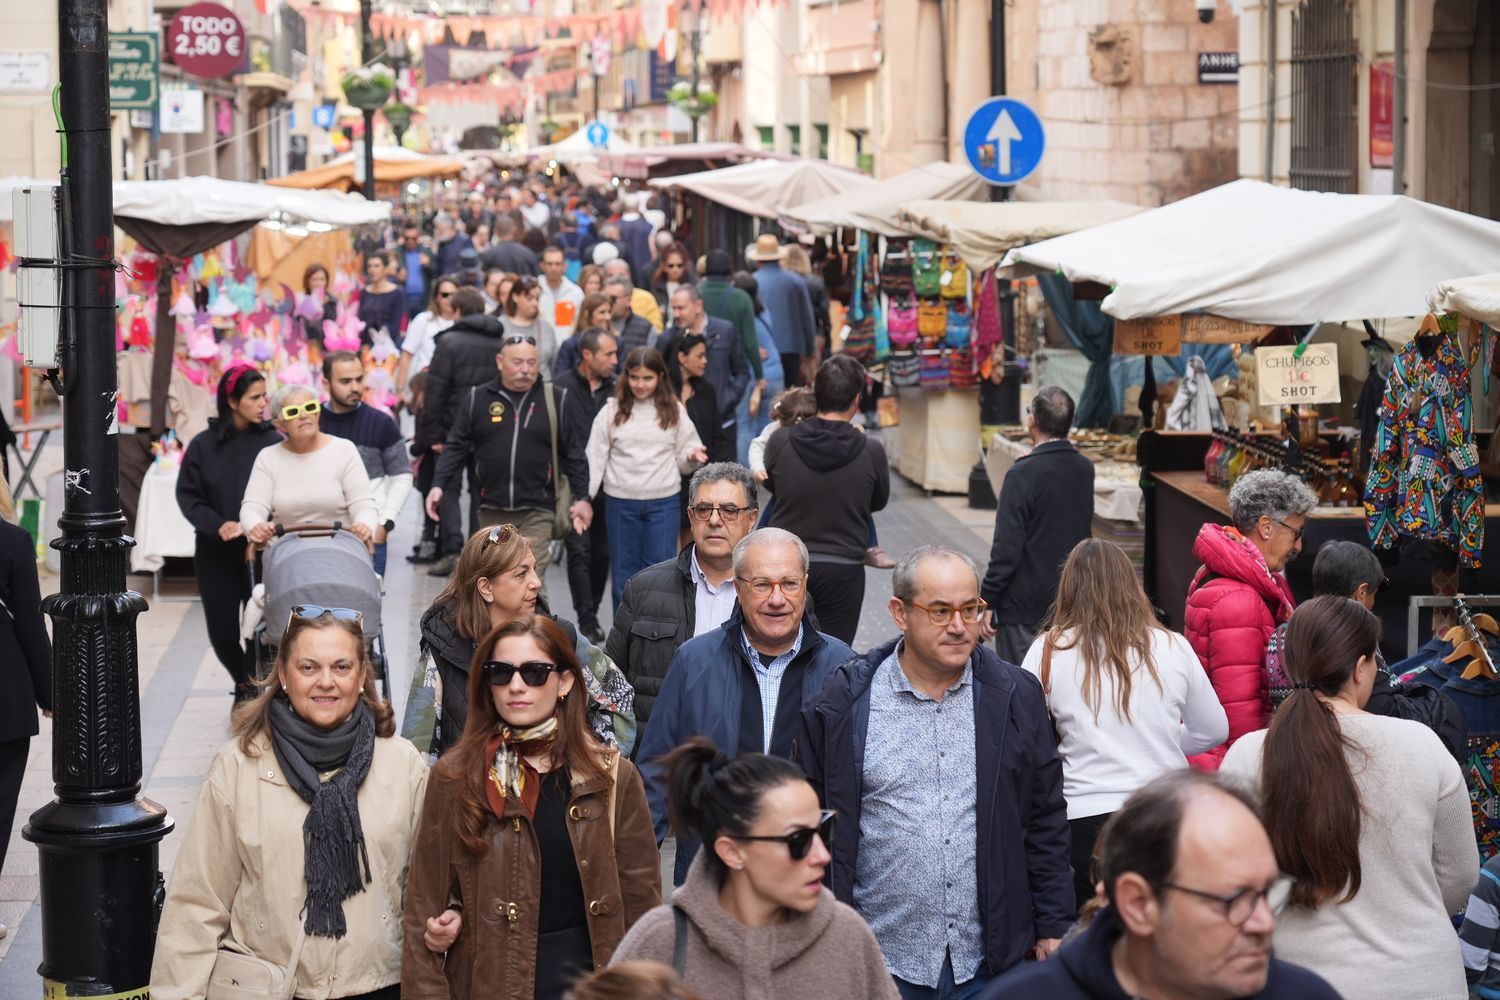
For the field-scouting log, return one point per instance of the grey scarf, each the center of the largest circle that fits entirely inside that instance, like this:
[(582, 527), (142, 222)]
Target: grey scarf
[(332, 839)]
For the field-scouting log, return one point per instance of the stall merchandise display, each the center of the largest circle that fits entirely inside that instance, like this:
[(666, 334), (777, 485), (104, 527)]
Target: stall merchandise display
[(930, 316)]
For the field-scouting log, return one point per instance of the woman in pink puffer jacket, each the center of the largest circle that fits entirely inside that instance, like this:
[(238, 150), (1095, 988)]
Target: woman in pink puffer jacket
[(1239, 595)]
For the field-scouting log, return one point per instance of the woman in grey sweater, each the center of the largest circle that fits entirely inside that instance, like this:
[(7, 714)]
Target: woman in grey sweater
[(759, 922)]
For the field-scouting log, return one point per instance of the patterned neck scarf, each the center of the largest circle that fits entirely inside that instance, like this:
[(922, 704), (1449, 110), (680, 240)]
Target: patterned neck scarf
[(510, 775)]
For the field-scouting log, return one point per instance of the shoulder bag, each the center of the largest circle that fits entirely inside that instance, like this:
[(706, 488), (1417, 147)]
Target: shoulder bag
[(1047, 685), (237, 976), (562, 524)]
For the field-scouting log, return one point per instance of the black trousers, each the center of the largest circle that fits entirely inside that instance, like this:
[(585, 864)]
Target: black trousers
[(426, 469), (588, 566), (451, 533), (838, 593), (223, 585), (791, 370), (1084, 832), (13, 755)]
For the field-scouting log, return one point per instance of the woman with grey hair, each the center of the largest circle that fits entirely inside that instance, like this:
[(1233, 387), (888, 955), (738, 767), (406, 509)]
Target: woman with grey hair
[(310, 478), (1239, 595)]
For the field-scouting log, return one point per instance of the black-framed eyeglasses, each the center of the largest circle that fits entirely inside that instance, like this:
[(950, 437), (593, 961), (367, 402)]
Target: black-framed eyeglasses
[(1296, 532), (942, 614), (727, 512), (312, 612), (1240, 905), (799, 842), (533, 672), (445, 295)]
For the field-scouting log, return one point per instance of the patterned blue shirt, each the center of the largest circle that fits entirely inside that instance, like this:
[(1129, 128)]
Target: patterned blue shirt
[(768, 679), (916, 878)]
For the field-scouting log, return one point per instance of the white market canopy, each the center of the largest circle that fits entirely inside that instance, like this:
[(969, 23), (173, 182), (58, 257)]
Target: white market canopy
[(982, 233), (766, 188), (576, 148), (876, 207), (195, 200), (1260, 254), (1477, 297)]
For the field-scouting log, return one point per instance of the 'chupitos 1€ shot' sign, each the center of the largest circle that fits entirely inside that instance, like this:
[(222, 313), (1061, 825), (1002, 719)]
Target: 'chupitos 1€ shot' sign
[(1287, 380)]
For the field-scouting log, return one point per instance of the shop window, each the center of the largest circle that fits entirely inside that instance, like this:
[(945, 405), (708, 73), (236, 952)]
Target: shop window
[(767, 135), (822, 142), (795, 131), (1325, 97)]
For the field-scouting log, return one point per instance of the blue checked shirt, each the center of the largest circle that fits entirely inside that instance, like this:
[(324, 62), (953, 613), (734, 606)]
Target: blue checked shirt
[(712, 605), (768, 679)]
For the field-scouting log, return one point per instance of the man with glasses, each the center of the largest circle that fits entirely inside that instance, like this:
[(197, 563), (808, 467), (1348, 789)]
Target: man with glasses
[(744, 683), (414, 269), (642, 302), (728, 369), (1192, 894), (940, 760), (1046, 507), (690, 595), (631, 331)]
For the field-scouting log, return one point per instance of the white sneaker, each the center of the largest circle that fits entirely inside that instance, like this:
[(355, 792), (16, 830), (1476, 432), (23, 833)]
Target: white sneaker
[(4, 932)]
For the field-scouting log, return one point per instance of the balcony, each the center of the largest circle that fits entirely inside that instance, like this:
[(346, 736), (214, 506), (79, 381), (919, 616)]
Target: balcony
[(839, 38)]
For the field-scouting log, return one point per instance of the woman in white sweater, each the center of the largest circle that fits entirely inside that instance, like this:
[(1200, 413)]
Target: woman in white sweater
[(1128, 697), (1369, 814), (310, 478), (641, 445)]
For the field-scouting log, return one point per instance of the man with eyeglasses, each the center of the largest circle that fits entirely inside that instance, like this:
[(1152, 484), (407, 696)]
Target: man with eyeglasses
[(743, 684), (642, 302), (940, 761), (728, 369), (1192, 894), (586, 387), (690, 595), (631, 331)]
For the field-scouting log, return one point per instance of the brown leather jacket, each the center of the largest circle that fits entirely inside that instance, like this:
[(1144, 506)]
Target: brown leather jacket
[(495, 955)]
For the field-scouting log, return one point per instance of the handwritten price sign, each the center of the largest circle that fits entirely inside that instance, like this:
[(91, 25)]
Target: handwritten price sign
[(1287, 380), (1158, 335), (207, 41)]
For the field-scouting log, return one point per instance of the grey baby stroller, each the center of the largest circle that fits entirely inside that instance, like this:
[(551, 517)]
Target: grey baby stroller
[(317, 564)]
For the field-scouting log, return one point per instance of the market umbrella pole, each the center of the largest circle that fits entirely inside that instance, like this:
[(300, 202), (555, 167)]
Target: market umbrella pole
[(97, 840)]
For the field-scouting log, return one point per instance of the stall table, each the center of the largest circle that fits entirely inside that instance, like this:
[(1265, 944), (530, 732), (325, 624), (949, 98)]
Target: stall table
[(161, 532), (939, 438)]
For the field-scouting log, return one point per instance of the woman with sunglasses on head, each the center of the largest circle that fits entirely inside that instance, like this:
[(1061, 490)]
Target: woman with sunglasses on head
[(423, 330), (297, 853), (495, 582), (759, 920), (531, 826), (1370, 815), (641, 445), (210, 490), (523, 318), (310, 478)]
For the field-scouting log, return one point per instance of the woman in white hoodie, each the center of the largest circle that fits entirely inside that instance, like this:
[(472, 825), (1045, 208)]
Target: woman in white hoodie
[(641, 445)]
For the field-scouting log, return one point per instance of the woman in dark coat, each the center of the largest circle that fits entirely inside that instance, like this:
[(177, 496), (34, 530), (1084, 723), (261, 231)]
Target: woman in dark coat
[(210, 486), (25, 662)]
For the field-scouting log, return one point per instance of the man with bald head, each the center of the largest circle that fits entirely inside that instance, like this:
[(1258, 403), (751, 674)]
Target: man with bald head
[(1192, 892), (743, 684)]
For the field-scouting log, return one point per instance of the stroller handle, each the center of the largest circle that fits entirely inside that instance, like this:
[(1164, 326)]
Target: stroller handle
[(311, 531)]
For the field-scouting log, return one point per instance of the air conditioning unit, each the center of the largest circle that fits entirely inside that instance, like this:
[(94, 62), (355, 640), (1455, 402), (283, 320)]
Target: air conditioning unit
[(37, 235)]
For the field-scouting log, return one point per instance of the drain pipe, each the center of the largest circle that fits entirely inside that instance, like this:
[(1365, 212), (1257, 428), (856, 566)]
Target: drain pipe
[(1271, 92)]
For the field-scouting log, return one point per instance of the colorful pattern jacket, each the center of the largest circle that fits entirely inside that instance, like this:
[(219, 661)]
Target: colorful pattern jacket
[(1424, 467)]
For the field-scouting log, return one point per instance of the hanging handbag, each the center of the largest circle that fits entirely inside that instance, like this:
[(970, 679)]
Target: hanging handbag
[(935, 375), (985, 316), (237, 976), (961, 374), (959, 327), (955, 279), (926, 268), (895, 271), (901, 321), (932, 319), (859, 340), (905, 370)]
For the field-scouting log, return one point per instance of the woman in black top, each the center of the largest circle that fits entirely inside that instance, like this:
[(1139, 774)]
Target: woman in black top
[(210, 486), (686, 366), (315, 284), (381, 304), (25, 661)]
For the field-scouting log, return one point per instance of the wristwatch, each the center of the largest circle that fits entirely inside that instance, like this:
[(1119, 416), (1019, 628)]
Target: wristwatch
[(389, 526)]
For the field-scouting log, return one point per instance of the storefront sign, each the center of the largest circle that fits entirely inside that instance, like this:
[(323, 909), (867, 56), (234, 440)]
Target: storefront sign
[(1382, 114), (134, 71), (1201, 328), (1157, 335), (24, 72), (1285, 379), (182, 112), (207, 40), (1218, 67)]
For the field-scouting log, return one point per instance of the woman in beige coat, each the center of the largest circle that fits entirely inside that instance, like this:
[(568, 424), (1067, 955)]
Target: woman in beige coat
[(296, 855)]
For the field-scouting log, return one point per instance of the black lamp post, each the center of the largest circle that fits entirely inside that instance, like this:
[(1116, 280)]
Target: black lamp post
[(97, 840), (366, 53)]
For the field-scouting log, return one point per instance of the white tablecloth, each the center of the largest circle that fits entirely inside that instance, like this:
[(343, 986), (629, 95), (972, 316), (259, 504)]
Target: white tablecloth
[(160, 529), (1117, 492)]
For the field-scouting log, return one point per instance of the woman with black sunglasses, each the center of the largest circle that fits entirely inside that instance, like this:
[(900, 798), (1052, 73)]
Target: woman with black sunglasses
[(758, 919), (531, 810)]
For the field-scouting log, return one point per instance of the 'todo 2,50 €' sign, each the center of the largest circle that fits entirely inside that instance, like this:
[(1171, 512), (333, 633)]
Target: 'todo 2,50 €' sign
[(207, 40), (1287, 380)]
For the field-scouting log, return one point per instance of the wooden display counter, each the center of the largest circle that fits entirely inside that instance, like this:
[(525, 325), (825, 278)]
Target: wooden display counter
[(938, 438)]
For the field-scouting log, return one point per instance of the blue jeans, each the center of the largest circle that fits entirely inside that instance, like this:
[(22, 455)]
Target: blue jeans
[(380, 558), (641, 533), (946, 989), (750, 424)]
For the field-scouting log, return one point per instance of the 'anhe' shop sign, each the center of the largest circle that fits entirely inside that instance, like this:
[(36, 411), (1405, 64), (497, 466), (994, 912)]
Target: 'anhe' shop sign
[(1288, 380)]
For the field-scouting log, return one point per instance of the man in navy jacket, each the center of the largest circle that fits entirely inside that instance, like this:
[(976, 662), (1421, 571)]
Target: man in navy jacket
[(940, 761), (743, 685)]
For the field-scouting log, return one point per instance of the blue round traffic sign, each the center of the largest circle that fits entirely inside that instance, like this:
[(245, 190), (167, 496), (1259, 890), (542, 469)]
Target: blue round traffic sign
[(597, 134), (1004, 140)]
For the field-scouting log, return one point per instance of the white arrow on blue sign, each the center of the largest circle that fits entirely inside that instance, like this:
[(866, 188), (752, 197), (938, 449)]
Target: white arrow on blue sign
[(597, 134), (1004, 140)]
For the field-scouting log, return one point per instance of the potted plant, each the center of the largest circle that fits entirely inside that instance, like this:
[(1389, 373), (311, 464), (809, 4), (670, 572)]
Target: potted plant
[(369, 87), (693, 104), (399, 116)]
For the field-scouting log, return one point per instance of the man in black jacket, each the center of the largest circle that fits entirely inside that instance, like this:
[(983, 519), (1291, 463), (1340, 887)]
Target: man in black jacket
[(673, 601), (505, 254), (506, 425), (586, 386), (829, 479), (463, 356), (1046, 508)]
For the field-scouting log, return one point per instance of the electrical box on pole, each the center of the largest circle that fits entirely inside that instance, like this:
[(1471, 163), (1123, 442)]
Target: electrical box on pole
[(37, 236)]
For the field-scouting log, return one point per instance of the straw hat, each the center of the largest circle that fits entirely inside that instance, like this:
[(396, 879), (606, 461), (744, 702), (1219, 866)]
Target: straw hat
[(767, 247)]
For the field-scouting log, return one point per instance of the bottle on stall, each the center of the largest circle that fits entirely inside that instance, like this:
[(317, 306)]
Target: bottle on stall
[(1345, 493), (1221, 466), (1211, 457), (1240, 464)]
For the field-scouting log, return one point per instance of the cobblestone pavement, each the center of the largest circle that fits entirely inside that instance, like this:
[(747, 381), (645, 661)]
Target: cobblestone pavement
[(185, 693)]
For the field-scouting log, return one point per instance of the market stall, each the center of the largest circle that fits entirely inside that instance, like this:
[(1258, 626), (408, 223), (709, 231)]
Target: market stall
[(875, 208), (393, 165), (1322, 284)]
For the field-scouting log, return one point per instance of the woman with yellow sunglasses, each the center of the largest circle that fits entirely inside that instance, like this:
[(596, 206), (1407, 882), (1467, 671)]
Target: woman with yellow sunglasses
[(310, 478)]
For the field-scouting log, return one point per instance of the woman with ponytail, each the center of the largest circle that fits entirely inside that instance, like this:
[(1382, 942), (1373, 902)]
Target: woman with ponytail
[(210, 486), (758, 920), (535, 831), (1369, 814)]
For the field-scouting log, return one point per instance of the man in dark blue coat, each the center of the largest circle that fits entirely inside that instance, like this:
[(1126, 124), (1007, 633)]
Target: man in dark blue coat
[(743, 685), (940, 761)]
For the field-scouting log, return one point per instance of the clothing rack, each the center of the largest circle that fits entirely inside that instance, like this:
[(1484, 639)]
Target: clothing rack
[(1415, 604)]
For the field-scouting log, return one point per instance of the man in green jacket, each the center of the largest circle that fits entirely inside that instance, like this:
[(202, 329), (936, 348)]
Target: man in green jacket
[(723, 300)]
